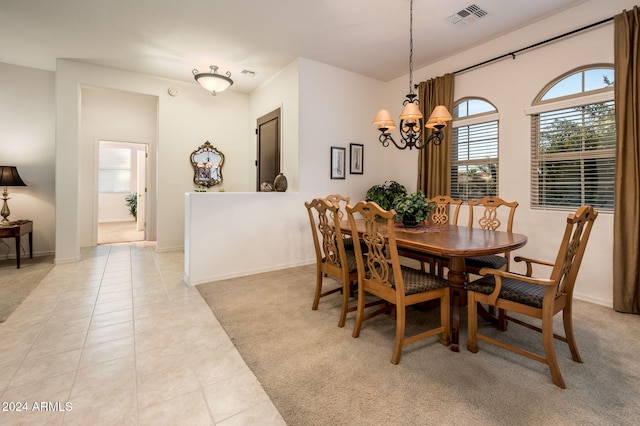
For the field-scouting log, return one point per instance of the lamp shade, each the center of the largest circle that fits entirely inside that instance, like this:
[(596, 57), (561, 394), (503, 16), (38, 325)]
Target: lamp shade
[(214, 82), (9, 176), (410, 112), (382, 117), (439, 115)]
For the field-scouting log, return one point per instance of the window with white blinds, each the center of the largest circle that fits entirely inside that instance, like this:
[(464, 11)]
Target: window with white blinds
[(114, 173), (474, 156), (573, 154)]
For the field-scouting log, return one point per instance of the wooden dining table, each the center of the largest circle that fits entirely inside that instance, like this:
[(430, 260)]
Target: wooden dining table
[(454, 243)]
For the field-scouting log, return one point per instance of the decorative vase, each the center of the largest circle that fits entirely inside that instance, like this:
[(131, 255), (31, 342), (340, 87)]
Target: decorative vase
[(266, 187), (280, 183)]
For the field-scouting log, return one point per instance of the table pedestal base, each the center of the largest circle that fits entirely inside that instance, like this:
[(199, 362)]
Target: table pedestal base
[(457, 278)]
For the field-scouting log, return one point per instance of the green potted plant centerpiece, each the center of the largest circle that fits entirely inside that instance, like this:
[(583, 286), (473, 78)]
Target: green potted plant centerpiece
[(411, 209), (131, 201), (385, 194)]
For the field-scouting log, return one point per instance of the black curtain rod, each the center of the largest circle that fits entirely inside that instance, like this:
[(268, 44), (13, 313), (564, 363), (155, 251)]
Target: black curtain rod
[(513, 54)]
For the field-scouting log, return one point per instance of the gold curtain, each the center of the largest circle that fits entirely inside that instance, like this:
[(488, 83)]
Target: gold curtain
[(434, 162), (626, 223)]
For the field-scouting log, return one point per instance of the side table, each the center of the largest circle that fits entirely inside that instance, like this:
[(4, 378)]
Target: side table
[(16, 230)]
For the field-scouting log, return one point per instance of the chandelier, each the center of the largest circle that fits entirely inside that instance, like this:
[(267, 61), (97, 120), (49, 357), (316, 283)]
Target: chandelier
[(212, 81), (411, 118)]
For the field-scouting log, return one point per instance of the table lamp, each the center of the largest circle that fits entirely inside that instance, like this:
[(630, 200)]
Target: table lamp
[(8, 177)]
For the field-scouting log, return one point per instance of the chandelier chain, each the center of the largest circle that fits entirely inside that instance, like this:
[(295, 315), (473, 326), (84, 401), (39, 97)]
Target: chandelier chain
[(411, 47)]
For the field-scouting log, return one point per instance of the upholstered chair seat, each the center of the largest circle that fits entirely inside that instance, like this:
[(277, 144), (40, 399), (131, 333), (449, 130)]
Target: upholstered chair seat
[(512, 289)]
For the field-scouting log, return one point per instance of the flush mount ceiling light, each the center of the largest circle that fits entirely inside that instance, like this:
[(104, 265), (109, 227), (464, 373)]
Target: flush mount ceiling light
[(411, 119), (212, 81)]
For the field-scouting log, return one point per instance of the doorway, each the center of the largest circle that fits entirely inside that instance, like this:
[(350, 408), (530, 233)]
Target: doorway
[(122, 191), (268, 145)]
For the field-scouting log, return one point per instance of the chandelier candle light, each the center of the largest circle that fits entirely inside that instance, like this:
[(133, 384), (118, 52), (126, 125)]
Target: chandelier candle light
[(212, 81), (411, 118)]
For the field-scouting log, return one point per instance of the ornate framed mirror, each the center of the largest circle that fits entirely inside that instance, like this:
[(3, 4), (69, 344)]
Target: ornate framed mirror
[(207, 165)]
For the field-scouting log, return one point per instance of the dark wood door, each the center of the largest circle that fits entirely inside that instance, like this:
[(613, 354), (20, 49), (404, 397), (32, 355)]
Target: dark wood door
[(268, 141)]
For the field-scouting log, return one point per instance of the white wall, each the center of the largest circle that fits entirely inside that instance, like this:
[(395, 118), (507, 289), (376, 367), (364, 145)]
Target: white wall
[(336, 110), (27, 131), (242, 233), (112, 207)]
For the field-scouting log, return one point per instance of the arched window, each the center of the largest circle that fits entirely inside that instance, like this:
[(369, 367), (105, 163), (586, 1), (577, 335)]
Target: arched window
[(573, 140), (474, 149)]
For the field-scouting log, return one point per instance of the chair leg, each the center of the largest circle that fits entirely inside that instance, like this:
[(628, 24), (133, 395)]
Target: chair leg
[(502, 320), (549, 350), (359, 312), (346, 293), (401, 313), (316, 299), (472, 317), (568, 332)]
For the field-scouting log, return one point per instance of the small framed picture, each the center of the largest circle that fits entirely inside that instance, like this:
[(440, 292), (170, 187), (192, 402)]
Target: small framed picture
[(356, 166), (338, 162)]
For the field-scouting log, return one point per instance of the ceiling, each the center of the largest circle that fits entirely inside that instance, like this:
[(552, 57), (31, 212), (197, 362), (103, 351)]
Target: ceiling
[(169, 38)]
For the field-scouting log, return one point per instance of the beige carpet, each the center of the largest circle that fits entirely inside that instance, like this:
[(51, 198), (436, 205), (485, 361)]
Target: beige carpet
[(17, 284), (317, 374)]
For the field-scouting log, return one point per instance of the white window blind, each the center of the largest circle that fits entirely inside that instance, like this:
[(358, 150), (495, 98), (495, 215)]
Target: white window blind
[(474, 160), (573, 157), (114, 174)]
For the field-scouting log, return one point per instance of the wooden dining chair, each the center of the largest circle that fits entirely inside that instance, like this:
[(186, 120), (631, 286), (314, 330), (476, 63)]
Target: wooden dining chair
[(332, 258), (536, 297), (380, 274), (491, 220), (440, 215), (341, 202)]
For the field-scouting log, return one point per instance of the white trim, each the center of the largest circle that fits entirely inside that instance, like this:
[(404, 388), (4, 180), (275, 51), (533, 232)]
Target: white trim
[(570, 103), (484, 118)]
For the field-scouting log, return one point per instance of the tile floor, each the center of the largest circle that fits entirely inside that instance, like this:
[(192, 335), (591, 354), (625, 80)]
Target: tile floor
[(117, 338)]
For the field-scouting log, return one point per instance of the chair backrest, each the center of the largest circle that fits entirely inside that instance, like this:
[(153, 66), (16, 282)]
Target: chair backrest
[(440, 215), (380, 241), (489, 219), (327, 236), (340, 201), (574, 243)]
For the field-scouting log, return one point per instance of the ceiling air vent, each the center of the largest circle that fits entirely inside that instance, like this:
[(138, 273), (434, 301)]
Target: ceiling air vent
[(467, 15)]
